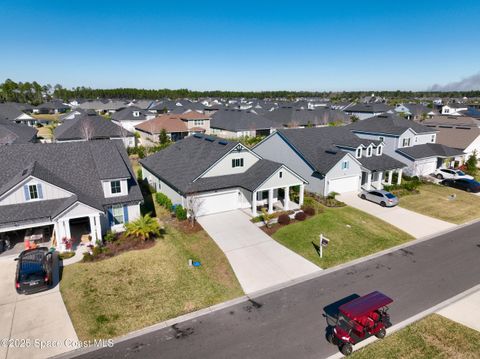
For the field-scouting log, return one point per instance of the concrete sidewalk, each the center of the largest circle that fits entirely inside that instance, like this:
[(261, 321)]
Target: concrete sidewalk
[(466, 311), (258, 261), (42, 317), (415, 224)]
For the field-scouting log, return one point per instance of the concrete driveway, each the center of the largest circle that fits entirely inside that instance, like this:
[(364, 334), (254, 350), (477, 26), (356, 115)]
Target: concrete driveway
[(41, 316), (411, 222), (258, 261)]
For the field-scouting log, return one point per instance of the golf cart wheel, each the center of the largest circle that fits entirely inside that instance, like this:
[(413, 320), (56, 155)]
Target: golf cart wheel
[(330, 337), (381, 333), (383, 204), (363, 196), (346, 349), (439, 176)]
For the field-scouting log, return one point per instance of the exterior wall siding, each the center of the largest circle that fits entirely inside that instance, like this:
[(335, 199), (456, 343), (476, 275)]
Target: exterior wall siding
[(224, 167), (17, 196), (162, 187)]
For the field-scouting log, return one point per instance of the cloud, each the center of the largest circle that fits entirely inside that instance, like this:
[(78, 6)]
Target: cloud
[(470, 83)]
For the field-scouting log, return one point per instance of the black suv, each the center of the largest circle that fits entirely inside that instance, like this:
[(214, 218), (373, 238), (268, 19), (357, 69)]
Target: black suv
[(463, 184), (34, 270)]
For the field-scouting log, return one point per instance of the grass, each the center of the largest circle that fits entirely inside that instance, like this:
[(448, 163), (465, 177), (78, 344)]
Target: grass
[(138, 288), (433, 200), (352, 233), (52, 117), (434, 337)]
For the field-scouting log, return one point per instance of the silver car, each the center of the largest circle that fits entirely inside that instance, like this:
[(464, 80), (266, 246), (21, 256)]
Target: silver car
[(383, 198)]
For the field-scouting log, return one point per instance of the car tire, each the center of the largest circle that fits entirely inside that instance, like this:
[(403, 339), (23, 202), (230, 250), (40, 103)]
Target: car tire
[(383, 204), (381, 333), (346, 349), (363, 196), (439, 176), (331, 338)]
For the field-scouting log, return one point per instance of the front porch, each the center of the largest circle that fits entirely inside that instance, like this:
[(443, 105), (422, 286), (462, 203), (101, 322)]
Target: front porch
[(378, 179), (277, 199)]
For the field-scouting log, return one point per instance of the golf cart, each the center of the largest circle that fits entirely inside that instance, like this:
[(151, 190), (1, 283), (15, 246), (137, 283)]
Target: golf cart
[(359, 319)]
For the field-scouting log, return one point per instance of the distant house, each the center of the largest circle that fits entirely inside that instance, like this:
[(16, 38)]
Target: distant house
[(177, 126), (451, 121), (293, 117), (66, 190), (12, 133), (131, 116), (210, 175), (94, 127), (409, 142), (230, 123), (9, 112), (454, 108), (52, 107), (415, 111), (367, 110), (103, 106)]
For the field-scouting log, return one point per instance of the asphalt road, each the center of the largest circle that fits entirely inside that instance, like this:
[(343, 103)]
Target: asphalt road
[(290, 323)]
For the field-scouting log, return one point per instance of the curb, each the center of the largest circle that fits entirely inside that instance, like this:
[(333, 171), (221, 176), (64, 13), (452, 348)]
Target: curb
[(262, 292), (411, 320)]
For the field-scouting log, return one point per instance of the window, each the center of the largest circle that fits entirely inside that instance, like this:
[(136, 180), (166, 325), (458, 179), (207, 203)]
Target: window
[(379, 150), (433, 138), (280, 174), (237, 162), (345, 165), (115, 187), (136, 114), (359, 152), (381, 138), (369, 151), (406, 142), (198, 122), (33, 191), (117, 213)]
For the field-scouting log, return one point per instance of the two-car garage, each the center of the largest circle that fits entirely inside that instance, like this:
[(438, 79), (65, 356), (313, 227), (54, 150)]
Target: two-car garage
[(343, 184), (219, 201)]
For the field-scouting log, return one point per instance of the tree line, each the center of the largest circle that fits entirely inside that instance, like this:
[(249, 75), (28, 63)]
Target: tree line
[(35, 93)]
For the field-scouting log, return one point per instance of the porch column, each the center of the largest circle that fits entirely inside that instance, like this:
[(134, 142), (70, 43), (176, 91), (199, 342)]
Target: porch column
[(254, 203), (286, 205), (369, 180), (270, 200), (93, 229), (300, 194), (98, 227), (390, 177), (399, 180), (380, 179)]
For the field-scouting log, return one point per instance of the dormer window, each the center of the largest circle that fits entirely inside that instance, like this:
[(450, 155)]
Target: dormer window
[(33, 191), (136, 113), (358, 153), (379, 150), (115, 187), (369, 151), (406, 142), (198, 122), (237, 162)]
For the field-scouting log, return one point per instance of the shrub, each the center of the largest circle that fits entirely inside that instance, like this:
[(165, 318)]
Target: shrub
[(109, 236), (97, 250), (300, 216), (309, 202), (139, 174), (66, 255), (163, 201), (309, 211), (87, 257), (180, 213), (144, 228), (257, 219), (284, 219)]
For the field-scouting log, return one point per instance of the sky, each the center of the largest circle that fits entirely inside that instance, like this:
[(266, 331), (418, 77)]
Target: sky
[(248, 45)]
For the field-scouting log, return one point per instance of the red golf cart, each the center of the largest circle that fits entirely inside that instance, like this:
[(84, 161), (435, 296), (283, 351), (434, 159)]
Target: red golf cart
[(359, 319)]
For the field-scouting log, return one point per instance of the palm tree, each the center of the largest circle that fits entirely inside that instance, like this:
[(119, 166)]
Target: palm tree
[(144, 227)]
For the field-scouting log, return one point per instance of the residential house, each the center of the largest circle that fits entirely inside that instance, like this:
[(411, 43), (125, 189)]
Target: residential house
[(11, 113), (367, 110), (454, 108), (409, 142), (103, 106), (289, 116), (52, 107), (331, 159), (131, 116), (230, 123), (87, 127), (66, 190), (12, 133), (415, 111), (208, 175), (177, 126)]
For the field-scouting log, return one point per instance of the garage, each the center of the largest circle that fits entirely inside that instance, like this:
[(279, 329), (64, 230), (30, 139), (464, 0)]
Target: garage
[(216, 202), (344, 184)]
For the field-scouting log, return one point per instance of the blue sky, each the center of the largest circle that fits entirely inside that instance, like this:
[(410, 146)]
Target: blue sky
[(248, 45)]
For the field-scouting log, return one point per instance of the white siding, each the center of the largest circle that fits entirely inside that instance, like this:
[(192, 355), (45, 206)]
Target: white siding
[(161, 186), (107, 188), (78, 210), (17, 195), (336, 172), (224, 166), (287, 179)]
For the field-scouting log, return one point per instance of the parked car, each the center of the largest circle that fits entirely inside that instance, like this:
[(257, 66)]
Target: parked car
[(383, 198), (34, 270), (446, 173), (468, 185)]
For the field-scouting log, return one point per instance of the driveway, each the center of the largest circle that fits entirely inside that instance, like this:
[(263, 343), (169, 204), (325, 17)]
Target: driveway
[(42, 317), (258, 261), (411, 222)]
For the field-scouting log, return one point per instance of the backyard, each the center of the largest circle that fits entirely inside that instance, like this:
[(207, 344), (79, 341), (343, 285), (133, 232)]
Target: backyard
[(352, 233), (432, 337), (138, 288), (436, 201)]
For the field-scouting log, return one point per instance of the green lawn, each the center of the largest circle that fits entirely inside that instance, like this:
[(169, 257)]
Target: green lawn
[(139, 288), (352, 233), (434, 337), (434, 201)]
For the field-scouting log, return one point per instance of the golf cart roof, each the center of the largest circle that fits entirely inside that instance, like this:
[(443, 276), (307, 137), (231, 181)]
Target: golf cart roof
[(363, 305)]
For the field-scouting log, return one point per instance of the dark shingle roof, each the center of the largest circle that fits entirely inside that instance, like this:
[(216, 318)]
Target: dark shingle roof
[(126, 114), (388, 124), (101, 128), (9, 112), (240, 120), (429, 150), (368, 108), (380, 163), (287, 115), (15, 133)]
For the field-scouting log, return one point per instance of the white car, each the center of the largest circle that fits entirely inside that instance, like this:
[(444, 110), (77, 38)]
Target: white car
[(446, 173)]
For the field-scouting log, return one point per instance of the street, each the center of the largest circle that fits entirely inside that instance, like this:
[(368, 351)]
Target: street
[(290, 323)]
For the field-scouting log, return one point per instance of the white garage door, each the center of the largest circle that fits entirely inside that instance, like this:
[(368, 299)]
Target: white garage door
[(424, 168), (217, 202), (344, 184)]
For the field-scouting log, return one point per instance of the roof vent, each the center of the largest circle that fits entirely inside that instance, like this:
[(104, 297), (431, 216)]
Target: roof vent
[(332, 152), (223, 142), (197, 135), (209, 139), (24, 172)]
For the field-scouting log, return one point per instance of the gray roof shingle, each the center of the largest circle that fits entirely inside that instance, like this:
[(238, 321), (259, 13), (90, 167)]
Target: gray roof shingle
[(388, 124), (99, 127), (430, 150), (11, 133), (240, 120)]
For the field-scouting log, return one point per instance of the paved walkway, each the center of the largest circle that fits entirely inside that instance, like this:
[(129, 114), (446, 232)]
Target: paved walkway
[(258, 261), (418, 225), (466, 311), (40, 316)]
